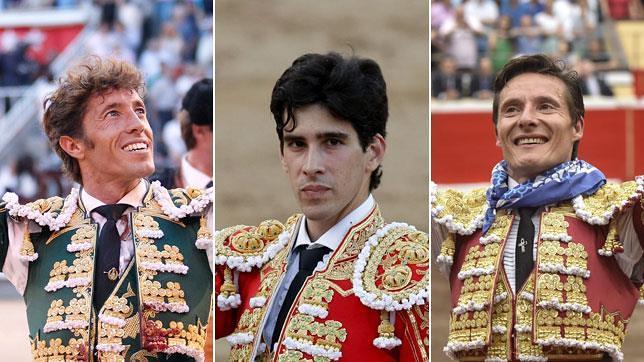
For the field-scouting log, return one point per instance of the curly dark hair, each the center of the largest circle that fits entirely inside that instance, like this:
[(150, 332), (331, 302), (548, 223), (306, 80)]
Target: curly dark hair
[(351, 89), (66, 106), (542, 64)]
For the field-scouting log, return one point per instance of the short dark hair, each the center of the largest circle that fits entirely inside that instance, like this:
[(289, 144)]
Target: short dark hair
[(351, 89), (67, 105), (542, 64)]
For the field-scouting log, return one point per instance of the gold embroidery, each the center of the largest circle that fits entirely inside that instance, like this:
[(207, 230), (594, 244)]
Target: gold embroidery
[(318, 293), (609, 196), (358, 235), (463, 207), (330, 333), (42, 351), (388, 272)]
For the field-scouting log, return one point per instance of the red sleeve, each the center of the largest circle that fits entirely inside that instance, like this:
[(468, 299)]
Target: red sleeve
[(412, 327), (225, 321)]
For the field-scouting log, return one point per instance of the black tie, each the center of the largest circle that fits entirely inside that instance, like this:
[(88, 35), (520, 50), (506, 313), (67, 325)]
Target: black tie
[(107, 253), (524, 246), (309, 259)]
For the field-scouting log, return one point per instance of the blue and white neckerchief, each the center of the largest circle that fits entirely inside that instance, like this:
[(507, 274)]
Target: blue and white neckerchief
[(562, 182)]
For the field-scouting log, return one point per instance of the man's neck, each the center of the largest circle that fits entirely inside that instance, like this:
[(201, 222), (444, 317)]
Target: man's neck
[(110, 192), (317, 228), (200, 159)]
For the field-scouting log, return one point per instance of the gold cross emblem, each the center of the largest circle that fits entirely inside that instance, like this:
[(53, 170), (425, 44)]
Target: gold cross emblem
[(113, 274)]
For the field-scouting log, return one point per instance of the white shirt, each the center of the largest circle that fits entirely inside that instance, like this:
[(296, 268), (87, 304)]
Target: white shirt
[(192, 176), (331, 239)]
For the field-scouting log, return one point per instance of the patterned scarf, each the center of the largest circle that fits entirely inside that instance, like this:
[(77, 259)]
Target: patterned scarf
[(562, 182)]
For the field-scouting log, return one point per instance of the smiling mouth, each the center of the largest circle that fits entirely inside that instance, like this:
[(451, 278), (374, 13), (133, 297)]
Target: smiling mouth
[(530, 141), (132, 147)]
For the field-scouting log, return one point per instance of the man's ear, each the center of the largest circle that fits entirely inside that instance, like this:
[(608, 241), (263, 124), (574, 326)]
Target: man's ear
[(72, 147), (578, 129), (282, 159), (199, 131), (376, 151)]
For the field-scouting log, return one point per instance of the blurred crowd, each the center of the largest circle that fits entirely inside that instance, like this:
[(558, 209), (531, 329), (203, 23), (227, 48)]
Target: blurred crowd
[(171, 41), (473, 39)]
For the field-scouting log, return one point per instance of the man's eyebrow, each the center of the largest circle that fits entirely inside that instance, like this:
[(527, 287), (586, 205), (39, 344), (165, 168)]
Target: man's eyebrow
[(291, 138), (327, 135), (109, 106), (550, 99)]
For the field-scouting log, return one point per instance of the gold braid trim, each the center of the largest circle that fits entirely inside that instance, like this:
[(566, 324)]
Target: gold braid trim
[(460, 212)]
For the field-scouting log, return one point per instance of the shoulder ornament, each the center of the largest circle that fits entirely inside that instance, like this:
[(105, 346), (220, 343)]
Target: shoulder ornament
[(600, 207), (460, 212), (392, 270), (179, 203), (243, 247), (54, 212)]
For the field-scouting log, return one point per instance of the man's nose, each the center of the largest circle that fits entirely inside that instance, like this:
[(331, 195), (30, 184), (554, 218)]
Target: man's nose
[(314, 162), (527, 117), (135, 122)]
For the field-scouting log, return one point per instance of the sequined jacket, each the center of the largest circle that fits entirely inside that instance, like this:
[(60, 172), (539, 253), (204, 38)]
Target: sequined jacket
[(367, 303), (161, 304), (575, 305)]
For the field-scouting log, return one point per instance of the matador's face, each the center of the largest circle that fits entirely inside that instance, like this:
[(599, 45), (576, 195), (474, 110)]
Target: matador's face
[(326, 165), (534, 128)]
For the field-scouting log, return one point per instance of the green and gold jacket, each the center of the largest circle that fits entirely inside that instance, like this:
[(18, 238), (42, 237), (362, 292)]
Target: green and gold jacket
[(160, 307)]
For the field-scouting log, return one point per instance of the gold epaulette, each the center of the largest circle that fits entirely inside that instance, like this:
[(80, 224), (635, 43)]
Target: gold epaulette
[(177, 203), (460, 212), (243, 247), (392, 270), (611, 199)]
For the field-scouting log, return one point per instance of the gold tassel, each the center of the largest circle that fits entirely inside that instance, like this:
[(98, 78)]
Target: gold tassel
[(27, 250), (228, 288), (448, 247), (612, 244), (385, 329), (203, 232)]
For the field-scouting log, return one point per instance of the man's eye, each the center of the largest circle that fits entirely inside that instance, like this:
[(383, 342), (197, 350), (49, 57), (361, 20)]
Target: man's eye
[(112, 114), (140, 110), (295, 144), (333, 142), (546, 107), (511, 110)]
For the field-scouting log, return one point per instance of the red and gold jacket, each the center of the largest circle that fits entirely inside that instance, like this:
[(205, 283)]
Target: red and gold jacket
[(367, 302), (575, 305)]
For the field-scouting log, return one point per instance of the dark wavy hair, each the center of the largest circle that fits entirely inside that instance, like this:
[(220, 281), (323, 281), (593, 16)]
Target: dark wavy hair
[(351, 89), (542, 64)]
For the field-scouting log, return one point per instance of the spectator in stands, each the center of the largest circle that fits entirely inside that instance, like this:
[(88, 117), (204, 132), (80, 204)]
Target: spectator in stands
[(163, 98), (550, 28), (150, 61), (487, 13), (171, 45), (196, 166), (527, 37), (460, 35), (591, 83), (483, 80), (601, 59), (441, 11), (501, 48), (446, 82)]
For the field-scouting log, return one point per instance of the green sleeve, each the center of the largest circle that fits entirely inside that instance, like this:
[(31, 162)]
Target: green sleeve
[(4, 235)]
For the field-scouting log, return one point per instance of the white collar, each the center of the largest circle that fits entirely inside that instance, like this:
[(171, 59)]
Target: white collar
[(333, 237), (133, 198), (192, 176)]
